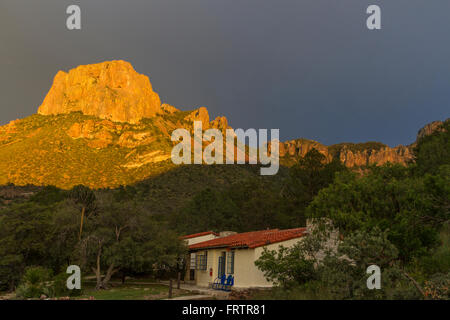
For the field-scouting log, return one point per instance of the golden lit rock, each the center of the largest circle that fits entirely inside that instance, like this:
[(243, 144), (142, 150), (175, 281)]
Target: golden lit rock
[(110, 90)]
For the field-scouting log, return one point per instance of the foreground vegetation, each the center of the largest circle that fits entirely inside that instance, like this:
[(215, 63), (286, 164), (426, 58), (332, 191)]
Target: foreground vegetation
[(134, 289), (391, 216)]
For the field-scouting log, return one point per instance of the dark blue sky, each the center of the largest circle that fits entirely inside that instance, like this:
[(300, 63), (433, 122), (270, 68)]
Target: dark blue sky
[(308, 67)]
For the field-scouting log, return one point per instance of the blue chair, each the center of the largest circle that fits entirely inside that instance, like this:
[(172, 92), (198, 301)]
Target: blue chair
[(228, 284), (219, 282)]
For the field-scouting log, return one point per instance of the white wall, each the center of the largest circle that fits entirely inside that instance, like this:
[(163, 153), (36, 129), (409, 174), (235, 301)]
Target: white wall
[(202, 277), (246, 274)]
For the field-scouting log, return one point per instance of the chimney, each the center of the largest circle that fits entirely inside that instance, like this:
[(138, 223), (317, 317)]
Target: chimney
[(226, 233)]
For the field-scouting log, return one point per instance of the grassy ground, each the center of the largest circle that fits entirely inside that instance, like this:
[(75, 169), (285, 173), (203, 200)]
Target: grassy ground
[(132, 292), (118, 291)]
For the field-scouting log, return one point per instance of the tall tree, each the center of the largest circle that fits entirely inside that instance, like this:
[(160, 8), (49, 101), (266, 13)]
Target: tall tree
[(388, 197), (85, 198), (307, 177), (433, 151)]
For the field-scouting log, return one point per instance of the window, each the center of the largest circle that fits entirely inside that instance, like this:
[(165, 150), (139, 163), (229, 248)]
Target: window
[(230, 262), (202, 261), (221, 266), (193, 261)]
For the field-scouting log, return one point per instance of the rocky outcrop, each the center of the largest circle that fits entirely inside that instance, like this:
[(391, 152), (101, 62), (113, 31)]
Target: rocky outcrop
[(220, 123), (132, 140), (359, 154), (352, 155), (399, 154), (143, 159), (167, 108), (201, 114), (110, 90), (300, 147), (98, 134), (431, 128)]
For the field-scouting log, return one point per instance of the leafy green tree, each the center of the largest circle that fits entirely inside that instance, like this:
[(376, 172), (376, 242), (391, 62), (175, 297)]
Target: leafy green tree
[(208, 210), (337, 269), (40, 231), (307, 177), (49, 195), (122, 238), (251, 204), (291, 266), (433, 151), (343, 272), (437, 192), (25, 238), (387, 197), (64, 236), (259, 205)]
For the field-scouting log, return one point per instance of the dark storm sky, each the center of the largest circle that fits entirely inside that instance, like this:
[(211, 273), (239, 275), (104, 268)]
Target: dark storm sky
[(308, 67)]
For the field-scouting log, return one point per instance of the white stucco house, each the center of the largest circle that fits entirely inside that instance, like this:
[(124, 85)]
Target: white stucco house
[(215, 254)]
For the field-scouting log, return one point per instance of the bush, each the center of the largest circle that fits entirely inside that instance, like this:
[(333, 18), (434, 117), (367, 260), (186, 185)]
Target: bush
[(301, 272), (59, 287), (438, 286), (35, 283), (438, 261), (39, 281)]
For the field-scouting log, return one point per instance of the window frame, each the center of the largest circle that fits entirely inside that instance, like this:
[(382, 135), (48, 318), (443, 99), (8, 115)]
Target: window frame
[(230, 262), (202, 261)]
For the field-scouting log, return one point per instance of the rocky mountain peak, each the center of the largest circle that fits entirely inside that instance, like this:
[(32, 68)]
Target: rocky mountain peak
[(109, 90), (430, 128)]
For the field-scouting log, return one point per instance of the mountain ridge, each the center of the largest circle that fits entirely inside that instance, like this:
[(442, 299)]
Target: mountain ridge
[(103, 126)]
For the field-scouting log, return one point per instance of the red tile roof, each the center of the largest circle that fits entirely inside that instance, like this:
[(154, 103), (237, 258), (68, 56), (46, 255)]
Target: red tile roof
[(200, 234), (252, 239)]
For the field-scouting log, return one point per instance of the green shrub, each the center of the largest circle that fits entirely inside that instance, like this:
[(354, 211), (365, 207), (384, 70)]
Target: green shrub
[(59, 287), (35, 282), (439, 259), (39, 281)]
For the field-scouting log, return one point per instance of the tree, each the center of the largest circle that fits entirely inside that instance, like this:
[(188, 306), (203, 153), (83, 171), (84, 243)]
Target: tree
[(307, 177), (107, 229), (388, 197), (259, 205), (344, 271), (247, 205), (123, 238), (85, 198), (25, 239), (208, 210), (337, 269), (291, 266), (433, 151), (437, 189)]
